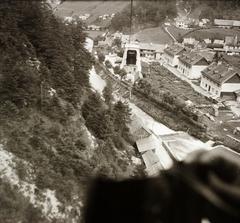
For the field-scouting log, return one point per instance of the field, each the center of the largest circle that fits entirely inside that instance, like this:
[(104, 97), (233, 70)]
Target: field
[(95, 8), (94, 34), (163, 80), (153, 35), (217, 33), (176, 32)]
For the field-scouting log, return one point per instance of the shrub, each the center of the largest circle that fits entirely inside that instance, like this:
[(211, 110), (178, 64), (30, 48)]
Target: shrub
[(108, 64)]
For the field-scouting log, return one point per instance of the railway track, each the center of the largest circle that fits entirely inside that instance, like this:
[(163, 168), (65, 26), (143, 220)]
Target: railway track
[(121, 88)]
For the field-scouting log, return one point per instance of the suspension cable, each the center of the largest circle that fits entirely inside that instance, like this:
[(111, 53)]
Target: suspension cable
[(131, 17)]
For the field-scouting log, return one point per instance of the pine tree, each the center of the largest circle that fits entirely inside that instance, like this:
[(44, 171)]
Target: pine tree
[(108, 94)]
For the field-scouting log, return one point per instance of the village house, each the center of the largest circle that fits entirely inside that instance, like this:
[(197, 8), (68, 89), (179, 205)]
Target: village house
[(191, 64), (160, 152), (124, 40), (203, 22), (207, 41), (84, 17), (231, 40), (209, 55), (171, 54), (228, 50), (221, 80), (151, 51), (154, 156), (190, 42), (232, 46), (94, 27), (226, 23), (184, 22), (218, 42)]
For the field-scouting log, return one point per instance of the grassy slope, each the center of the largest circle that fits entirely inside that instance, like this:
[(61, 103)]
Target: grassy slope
[(218, 33), (175, 31), (153, 35), (95, 8)]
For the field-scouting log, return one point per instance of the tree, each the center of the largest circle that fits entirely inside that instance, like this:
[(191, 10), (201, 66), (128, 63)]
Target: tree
[(122, 73), (116, 70), (107, 93), (108, 64), (122, 114), (117, 42), (91, 105), (152, 12), (120, 53), (145, 86), (101, 57)]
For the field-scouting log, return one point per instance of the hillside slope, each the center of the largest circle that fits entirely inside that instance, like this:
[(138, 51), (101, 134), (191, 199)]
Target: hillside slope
[(51, 120), (94, 8)]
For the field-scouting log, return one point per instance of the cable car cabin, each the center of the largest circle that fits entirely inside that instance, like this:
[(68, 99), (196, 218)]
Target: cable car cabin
[(131, 57)]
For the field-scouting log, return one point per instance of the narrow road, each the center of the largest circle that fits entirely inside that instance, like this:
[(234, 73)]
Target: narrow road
[(166, 30)]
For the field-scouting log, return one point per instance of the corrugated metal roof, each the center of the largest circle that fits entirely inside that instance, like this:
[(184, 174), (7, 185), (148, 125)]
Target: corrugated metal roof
[(148, 143), (150, 158), (179, 145)]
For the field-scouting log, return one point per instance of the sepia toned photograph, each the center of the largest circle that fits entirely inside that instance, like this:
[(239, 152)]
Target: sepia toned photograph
[(124, 111)]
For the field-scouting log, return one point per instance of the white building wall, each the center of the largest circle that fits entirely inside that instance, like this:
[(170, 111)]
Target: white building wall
[(168, 59), (175, 61), (158, 56), (210, 87), (195, 72), (230, 87), (182, 68), (171, 60), (216, 90)]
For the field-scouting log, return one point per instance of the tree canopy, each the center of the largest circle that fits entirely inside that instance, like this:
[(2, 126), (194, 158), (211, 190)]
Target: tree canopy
[(145, 12)]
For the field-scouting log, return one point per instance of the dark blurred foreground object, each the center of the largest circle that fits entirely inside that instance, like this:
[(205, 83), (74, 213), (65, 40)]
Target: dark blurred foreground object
[(205, 186)]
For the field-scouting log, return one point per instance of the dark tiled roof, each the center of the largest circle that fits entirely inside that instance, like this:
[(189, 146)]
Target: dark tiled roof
[(174, 49), (233, 60), (208, 55), (219, 73), (190, 58)]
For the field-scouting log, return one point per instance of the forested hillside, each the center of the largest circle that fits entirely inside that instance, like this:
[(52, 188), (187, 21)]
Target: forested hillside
[(49, 116), (145, 14), (217, 9)]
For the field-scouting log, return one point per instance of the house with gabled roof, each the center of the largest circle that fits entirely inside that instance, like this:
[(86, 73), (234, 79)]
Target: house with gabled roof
[(221, 80), (191, 64), (171, 54), (151, 50)]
